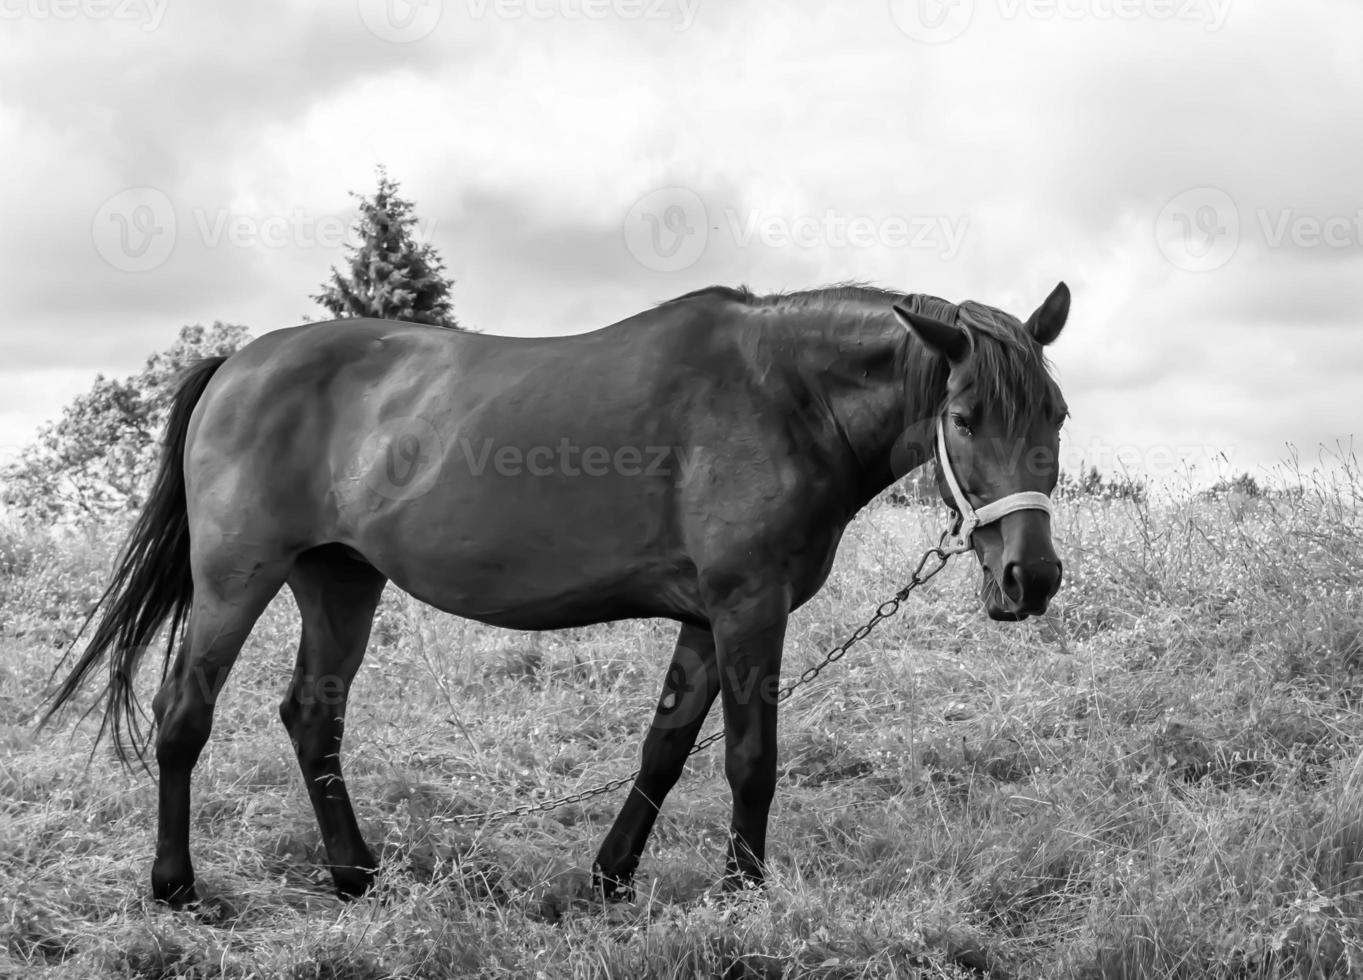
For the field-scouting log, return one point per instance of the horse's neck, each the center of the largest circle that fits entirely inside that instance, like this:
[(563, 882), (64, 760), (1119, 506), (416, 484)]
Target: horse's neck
[(866, 379)]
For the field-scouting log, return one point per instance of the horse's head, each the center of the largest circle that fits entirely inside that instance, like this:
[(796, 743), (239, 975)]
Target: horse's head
[(999, 431)]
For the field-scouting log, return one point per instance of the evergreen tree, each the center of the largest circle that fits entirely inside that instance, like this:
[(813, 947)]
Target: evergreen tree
[(391, 276)]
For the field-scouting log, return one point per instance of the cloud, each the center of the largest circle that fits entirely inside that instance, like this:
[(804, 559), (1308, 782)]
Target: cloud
[(1044, 141)]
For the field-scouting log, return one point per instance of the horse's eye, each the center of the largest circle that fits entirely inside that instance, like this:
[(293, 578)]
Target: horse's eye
[(962, 423)]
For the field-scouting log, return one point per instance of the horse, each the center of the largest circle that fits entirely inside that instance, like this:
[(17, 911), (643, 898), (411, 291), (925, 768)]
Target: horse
[(696, 462)]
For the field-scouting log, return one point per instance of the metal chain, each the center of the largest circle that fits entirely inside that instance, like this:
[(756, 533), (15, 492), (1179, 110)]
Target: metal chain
[(942, 551)]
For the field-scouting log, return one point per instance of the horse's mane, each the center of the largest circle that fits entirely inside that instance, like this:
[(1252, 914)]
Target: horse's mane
[(796, 299), (1007, 368)]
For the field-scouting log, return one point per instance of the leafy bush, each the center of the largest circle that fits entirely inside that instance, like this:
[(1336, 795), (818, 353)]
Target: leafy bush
[(1092, 483), (96, 461), (1243, 485)]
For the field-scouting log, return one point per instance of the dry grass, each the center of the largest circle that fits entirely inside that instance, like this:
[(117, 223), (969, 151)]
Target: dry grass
[(1162, 779)]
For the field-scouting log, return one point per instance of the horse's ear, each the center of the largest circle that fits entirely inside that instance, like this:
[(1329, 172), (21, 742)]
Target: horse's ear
[(937, 335), (1049, 319)]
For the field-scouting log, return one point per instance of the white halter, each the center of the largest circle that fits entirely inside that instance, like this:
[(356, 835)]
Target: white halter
[(958, 540)]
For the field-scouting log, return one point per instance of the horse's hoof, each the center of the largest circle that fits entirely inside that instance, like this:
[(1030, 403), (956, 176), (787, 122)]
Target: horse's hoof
[(612, 888), (177, 895), (352, 883)]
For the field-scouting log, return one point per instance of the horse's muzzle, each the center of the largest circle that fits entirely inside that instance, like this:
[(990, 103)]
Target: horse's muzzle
[(1029, 585), (1024, 589)]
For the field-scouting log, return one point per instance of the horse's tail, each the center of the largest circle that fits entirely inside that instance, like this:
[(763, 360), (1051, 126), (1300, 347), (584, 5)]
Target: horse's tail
[(151, 583)]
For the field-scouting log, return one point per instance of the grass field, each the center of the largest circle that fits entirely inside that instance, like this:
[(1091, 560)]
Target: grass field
[(1163, 778)]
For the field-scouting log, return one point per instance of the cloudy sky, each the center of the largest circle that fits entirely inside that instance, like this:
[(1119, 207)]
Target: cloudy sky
[(1192, 168)]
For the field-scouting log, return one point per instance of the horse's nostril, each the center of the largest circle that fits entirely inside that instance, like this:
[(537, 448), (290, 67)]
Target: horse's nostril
[(1032, 581), (1012, 585)]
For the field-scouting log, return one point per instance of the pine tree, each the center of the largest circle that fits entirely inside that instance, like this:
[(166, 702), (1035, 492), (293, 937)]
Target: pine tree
[(391, 276)]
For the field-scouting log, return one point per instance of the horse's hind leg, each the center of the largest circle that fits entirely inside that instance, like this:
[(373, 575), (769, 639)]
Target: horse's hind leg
[(690, 688), (226, 605), (337, 596)]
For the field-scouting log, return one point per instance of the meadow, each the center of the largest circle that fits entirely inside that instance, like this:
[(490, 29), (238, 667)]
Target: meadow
[(1163, 777)]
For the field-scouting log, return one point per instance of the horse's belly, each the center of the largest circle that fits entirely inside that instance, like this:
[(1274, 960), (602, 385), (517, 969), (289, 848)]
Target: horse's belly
[(551, 595), (525, 570)]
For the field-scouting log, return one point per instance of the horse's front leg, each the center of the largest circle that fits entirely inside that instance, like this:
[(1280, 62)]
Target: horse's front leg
[(749, 634), (688, 691)]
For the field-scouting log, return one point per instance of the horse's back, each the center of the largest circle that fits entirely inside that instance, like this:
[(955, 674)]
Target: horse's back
[(507, 479), (637, 362)]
